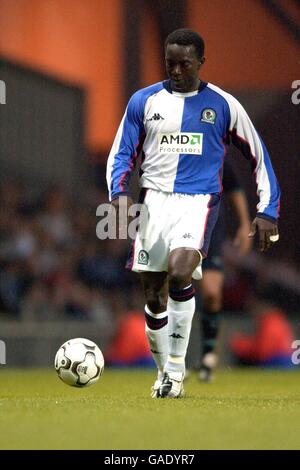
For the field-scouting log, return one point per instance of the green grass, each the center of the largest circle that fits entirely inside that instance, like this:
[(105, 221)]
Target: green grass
[(241, 410)]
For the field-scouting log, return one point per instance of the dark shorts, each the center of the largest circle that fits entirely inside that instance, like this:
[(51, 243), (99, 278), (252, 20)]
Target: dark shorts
[(214, 259)]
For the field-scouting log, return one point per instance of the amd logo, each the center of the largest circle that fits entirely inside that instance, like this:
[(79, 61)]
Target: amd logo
[(180, 143), (180, 138)]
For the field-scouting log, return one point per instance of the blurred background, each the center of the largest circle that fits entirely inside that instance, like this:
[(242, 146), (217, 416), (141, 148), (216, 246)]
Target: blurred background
[(69, 67)]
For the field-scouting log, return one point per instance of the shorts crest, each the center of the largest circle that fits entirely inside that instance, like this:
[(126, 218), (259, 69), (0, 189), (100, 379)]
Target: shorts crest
[(143, 257)]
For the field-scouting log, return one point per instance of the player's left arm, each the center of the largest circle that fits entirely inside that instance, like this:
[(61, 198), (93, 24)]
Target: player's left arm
[(245, 137)]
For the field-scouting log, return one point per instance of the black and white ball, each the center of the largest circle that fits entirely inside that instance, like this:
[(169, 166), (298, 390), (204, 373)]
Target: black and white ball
[(79, 362)]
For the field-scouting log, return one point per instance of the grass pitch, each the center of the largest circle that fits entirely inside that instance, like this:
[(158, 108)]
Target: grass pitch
[(241, 410)]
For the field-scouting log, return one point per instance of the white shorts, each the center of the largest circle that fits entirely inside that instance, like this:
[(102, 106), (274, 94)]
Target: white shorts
[(173, 221)]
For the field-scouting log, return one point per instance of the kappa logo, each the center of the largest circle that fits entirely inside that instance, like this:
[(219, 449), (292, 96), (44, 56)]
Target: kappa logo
[(208, 115), (143, 257), (176, 336), (187, 235), (155, 117)]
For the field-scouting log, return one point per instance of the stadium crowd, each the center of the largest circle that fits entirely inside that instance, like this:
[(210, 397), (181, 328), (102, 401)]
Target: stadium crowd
[(52, 266)]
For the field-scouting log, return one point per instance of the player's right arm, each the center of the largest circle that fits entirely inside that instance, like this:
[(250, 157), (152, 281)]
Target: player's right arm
[(125, 149)]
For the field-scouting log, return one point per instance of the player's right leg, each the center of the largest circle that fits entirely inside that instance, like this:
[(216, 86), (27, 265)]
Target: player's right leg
[(149, 257), (155, 285)]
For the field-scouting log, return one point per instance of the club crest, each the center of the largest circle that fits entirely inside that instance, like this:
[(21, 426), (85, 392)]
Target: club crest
[(208, 115)]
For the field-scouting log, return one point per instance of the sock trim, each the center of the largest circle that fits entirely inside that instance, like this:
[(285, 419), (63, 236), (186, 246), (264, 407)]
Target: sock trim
[(176, 359), (156, 316), (182, 295), (155, 323)]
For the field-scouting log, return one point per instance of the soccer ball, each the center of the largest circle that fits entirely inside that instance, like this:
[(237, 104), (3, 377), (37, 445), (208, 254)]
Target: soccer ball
[(79, 362)]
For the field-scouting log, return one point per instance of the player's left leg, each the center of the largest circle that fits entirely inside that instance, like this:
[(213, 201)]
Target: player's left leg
[(189, 237), (211, 288), (181, 308)]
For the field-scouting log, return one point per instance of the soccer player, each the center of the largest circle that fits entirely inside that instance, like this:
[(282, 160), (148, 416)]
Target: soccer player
[(211, 285), (181, 127)]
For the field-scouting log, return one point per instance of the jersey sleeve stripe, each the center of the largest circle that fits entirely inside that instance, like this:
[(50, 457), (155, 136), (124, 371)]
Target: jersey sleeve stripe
[(132, 162), (112, 157)]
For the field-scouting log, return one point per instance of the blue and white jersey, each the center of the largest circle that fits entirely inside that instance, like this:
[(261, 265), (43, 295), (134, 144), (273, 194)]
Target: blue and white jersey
[(183, 139)]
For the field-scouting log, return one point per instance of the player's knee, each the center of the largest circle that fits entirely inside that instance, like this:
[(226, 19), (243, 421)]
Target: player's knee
[(156, 303), (178, 279)]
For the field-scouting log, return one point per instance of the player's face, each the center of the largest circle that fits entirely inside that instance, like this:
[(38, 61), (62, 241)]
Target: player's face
[(182, 65)]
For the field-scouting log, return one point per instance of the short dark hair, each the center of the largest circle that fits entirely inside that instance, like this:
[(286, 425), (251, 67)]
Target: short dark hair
[(187, 37)]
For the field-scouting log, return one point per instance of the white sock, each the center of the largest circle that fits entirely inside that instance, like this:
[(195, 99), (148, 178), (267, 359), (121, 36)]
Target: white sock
[(157, 336), (180, 315)]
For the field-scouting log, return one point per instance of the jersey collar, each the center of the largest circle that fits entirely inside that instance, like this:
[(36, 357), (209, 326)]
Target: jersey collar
[(167, 86)]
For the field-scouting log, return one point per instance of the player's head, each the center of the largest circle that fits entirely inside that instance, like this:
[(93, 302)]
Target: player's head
[(187, 37), (184, 55)]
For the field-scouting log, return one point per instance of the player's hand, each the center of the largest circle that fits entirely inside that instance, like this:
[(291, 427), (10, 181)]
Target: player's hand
[(126, 200), (120, 208), (267, 232), (242, 242)]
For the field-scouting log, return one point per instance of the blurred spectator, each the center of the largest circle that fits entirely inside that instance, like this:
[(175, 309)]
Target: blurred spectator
[(242, 274), (270, 345), (37, 305), (102, 263), (129, 346), (55, 218)]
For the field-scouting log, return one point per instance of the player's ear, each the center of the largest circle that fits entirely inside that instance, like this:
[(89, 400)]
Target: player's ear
[(201, 62)]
